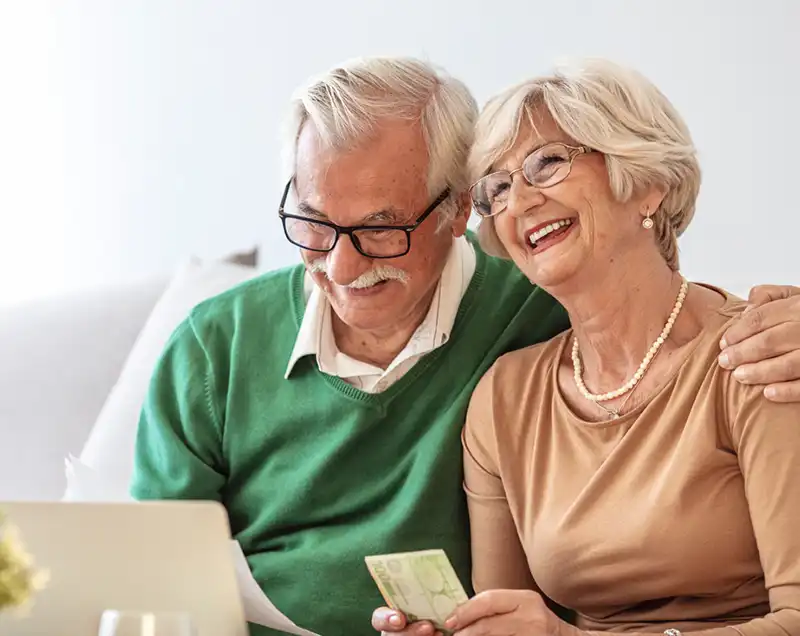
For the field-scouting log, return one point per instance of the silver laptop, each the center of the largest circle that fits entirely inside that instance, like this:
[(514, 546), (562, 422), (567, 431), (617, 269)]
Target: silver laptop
[(150, 557)]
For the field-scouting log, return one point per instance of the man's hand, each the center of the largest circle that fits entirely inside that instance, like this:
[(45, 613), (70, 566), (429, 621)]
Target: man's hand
[(763, 346), (389, 621)]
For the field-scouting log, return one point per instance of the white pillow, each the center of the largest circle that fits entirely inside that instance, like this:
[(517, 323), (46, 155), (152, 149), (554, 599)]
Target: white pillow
[(110, 446)]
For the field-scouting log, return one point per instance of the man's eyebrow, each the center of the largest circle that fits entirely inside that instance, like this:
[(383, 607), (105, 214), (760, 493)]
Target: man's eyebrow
[(385, 215), (307, 210), (390, 215)]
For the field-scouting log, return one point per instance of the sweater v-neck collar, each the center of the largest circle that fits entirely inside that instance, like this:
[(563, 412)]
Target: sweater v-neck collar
[(464, 312)]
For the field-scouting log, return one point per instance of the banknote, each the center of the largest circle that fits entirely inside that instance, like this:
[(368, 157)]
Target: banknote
[(423, 585)]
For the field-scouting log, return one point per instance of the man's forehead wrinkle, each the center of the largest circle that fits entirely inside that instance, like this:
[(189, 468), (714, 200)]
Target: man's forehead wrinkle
[(381, 180), (329, 194)]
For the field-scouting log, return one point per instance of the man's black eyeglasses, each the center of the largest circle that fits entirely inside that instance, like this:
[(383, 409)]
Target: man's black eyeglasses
[(373, 241)]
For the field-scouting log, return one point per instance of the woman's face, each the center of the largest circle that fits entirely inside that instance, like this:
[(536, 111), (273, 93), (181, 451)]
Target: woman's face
[(591, 228)]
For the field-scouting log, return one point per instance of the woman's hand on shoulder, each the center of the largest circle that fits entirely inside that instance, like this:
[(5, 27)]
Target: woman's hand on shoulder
[(389, 621)]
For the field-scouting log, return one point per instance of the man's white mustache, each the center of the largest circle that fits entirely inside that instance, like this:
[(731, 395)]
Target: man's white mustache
[(374, 276)]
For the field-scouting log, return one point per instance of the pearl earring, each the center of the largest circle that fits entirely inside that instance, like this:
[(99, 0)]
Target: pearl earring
[(647, 222)]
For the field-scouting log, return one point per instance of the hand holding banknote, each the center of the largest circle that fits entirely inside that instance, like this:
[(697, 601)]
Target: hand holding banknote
[(424, 598), (421, 589), (389, 621), (490, 613), (494, 613)]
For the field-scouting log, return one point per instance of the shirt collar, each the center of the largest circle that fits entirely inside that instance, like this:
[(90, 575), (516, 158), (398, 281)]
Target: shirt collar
[(315, 336)]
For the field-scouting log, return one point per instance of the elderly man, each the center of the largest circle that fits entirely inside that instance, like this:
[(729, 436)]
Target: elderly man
[(322, 405)]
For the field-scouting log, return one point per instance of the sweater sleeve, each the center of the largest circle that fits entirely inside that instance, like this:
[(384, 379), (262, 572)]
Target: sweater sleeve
[(766, 437), (498, 558), (178, 451)]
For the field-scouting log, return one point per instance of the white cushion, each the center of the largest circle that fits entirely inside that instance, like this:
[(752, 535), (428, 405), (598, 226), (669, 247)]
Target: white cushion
[(110, 446), (59, 358)]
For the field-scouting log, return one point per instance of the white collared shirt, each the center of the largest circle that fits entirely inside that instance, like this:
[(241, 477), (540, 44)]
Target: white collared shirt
[(316, 331)]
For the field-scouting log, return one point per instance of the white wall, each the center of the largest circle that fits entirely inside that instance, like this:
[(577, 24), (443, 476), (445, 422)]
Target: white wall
[(134, 133)]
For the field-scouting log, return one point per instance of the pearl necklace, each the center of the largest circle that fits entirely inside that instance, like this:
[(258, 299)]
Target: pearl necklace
[(630, 384)]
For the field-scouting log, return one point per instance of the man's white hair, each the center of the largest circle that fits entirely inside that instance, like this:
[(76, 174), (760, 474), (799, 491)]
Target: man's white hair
[(348, 103), (611, 109)]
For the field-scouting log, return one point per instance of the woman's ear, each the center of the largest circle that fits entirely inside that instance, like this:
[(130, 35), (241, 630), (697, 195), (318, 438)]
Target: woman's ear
[(652, 201)]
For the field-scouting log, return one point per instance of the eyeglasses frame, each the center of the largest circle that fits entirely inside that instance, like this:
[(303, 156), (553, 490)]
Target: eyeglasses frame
[(350, 230), (572, 151)]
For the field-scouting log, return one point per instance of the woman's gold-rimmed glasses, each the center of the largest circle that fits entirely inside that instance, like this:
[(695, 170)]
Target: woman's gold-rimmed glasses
[(543, 168)]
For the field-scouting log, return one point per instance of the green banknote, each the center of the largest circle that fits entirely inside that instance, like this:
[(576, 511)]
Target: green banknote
[(423, 585)]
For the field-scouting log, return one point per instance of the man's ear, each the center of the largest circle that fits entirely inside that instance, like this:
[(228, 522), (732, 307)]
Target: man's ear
[(459, 225)]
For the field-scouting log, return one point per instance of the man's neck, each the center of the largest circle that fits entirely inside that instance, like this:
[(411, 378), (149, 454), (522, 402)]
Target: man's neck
[(381, 346)]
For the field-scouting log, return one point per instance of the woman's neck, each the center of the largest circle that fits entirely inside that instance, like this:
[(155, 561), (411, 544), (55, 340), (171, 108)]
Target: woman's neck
[(617, 322)]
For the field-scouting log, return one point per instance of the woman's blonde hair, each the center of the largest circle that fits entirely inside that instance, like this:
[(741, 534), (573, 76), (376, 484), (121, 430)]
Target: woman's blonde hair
[(611, 109)]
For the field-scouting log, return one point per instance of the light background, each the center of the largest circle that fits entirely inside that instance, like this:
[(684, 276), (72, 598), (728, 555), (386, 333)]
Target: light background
[(136, 133)]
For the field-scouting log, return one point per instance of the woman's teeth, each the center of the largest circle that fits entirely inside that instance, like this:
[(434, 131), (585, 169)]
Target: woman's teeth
[(539, 234)]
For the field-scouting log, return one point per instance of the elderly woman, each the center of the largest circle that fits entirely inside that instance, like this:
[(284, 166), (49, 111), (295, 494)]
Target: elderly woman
[(617, 470)]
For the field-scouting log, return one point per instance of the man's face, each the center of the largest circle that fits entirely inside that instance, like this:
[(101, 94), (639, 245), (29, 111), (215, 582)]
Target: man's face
[(383, 182)]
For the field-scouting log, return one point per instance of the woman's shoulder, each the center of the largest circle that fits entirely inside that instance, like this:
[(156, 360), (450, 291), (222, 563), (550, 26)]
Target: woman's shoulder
[(509, 396), (712, 311), (716, 305), (534, 358), (516, 370), (702, 377), (519, 381)]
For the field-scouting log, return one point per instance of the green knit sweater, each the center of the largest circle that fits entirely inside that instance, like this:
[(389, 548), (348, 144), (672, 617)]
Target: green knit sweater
[(316, 474)]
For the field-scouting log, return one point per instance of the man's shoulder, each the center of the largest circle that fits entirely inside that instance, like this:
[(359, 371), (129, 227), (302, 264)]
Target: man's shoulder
[(522, 310), (503, 277), (274, 292)]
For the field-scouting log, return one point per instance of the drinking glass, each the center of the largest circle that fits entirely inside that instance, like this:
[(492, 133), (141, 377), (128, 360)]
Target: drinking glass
[(128, 623)]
